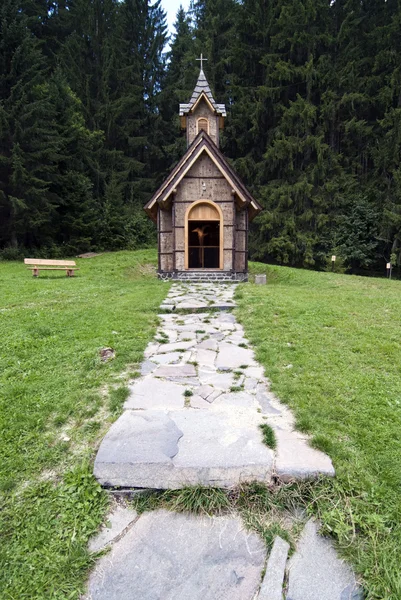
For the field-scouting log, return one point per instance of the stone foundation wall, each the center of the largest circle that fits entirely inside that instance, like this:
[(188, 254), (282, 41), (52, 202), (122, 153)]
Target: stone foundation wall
[(194, 276)]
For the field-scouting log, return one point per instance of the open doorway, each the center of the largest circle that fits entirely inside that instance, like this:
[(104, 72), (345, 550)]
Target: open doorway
[(203, 244), (203, 236)]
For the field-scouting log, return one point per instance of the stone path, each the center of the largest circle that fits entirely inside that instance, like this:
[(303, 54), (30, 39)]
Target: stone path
[(167, 556), (193, 416), (187, 296)]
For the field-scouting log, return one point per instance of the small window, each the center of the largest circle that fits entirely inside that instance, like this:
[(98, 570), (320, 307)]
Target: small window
[(203, 125)]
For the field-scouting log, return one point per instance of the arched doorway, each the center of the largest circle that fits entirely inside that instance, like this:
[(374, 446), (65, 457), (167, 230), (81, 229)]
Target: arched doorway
[(204, 236)]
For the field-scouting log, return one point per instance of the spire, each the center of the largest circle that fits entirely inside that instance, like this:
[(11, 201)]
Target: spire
[(202, 87)]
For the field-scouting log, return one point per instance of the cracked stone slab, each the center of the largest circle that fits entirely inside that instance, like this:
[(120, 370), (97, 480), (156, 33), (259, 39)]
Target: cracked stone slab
[(220, 450), (117, 521), (155, 393), (316, 572), (295, 459), (151, 449), (137, 450), (167, 556)]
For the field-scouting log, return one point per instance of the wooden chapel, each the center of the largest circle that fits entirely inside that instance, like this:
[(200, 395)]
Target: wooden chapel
[(202, 210)]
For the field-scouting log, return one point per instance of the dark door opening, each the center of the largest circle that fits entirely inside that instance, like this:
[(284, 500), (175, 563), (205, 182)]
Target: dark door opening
[(204, 244)]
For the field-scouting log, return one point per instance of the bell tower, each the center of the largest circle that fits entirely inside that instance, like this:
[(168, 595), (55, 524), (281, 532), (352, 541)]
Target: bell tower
[(202, 111)]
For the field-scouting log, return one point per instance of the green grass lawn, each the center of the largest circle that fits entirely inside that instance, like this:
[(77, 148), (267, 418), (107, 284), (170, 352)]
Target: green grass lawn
[(56, 400), (331, 345)]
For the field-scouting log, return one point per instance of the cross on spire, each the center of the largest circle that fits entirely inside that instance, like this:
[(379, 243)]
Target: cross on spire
[(201, 59)]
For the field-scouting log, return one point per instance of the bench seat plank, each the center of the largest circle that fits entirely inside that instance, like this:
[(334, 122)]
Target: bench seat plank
[(51, 262)]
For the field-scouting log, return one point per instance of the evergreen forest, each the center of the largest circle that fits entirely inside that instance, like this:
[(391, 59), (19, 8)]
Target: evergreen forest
[(89, 126)]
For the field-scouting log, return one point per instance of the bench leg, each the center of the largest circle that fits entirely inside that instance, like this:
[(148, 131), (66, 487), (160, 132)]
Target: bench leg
[(35, 272), (70, 272)]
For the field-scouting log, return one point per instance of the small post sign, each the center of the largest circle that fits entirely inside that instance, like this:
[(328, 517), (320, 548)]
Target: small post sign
[(389, 269), (333, 260)]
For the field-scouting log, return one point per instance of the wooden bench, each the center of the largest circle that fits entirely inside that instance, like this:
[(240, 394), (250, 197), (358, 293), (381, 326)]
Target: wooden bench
[(40, 264)]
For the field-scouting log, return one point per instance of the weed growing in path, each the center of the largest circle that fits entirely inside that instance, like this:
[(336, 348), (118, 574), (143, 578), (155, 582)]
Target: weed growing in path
[(269, 437)]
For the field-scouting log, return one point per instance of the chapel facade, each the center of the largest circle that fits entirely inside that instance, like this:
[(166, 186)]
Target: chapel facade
[(202, 210)]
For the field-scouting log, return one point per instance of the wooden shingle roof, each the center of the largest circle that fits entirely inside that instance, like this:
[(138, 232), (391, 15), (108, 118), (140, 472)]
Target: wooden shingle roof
[(202, 143), (202, 88)]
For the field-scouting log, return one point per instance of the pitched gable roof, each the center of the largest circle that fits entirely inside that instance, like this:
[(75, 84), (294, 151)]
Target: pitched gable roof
[(202, 88), (202, 143)]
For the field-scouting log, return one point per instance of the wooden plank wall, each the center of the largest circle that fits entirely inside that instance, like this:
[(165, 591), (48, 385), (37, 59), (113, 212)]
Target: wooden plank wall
[(203, 181)]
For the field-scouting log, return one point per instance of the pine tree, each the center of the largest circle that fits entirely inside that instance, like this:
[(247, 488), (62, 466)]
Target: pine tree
[(28, 139)]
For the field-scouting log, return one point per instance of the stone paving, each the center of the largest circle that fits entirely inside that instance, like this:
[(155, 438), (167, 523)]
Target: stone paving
[(193, 416), (189, 296), (162, 555)]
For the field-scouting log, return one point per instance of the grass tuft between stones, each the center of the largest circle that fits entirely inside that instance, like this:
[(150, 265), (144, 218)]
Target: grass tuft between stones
[(268, 510), (196, 499), (269, 437)]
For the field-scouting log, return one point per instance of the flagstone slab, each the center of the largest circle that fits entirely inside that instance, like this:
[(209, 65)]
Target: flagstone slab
[(250, 383), (155, 393), (295, 459), (147, 367), (167, 556), (171, 334), (175, 347), (257, 372), (215, 394), (118, 520), (198, 402), (205, 357), (137, 450), (222, 381), (234, 400), (165, 359), (316, 572), (151, 449), (273, 580), (175, 371), (204, 391), (209, 344), (233, 356)]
